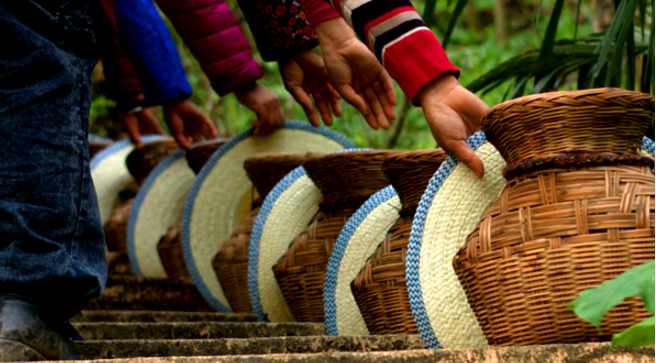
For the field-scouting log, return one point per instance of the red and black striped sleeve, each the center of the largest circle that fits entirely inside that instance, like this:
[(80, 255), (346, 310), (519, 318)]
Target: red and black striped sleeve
[(395, 32)]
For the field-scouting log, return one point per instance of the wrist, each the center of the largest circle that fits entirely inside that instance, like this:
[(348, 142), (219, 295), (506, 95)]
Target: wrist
[(437, 89), (242, 91)]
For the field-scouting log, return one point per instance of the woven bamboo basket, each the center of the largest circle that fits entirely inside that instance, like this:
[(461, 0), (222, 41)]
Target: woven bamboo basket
[(201, 153), (97, 145), (117, 225), (380, 288), (577, 210), (170, 251), (346, 180), (231, 263), (143, 159)]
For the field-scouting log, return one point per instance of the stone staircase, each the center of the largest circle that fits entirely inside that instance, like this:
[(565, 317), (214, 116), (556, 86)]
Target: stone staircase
[(152, 321)]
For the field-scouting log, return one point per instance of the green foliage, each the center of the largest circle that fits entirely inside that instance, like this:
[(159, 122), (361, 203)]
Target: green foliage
[(593, 304)]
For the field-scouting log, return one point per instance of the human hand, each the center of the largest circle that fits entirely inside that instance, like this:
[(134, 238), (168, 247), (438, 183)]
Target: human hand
[(266, 106), (356, 74), (305, 74), (453, 114), (186, 120), (142, 122)]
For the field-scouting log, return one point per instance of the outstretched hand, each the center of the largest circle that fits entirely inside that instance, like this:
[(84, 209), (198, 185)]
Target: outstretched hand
[(139, 123), (453, 114), (266, 106), (185, 121), (356, 74), (305, 74)]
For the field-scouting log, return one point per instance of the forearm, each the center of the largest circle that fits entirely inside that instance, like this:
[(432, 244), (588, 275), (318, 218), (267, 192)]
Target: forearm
[(213, 35), (395, 33), (151, 51)]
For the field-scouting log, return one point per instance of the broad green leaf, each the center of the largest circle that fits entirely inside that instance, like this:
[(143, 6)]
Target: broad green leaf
[(611, 34), (638, 335), (592, 304)]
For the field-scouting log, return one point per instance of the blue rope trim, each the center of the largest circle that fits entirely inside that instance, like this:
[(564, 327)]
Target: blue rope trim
[(414, 245), (332, 271), (202, 175), (144, 189), (104, 153), (648, 145)]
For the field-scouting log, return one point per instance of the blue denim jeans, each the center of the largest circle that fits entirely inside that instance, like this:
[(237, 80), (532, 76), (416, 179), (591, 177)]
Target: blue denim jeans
[(51, 238)]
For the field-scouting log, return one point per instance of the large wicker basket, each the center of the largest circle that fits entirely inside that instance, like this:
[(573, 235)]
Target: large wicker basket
[(201, 153), (578, 209), (143, 159), (346, 179), (170, 251), (231, 263), (380, 288)]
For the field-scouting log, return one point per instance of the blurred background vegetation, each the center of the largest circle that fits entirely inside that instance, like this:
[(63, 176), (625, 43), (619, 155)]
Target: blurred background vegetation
[(504, 48)]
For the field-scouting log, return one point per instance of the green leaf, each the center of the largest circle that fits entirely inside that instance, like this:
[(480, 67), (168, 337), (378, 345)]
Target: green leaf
[(429, 12), (611, 34), (550, 35), (592, 304), (460, 6), (630, 60), (638, 335), (576, 21)]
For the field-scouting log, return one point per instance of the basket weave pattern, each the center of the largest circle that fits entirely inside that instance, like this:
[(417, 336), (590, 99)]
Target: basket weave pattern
[(346, 180), (555, 232), (231, 265), (380, 288), (143, 159), (231, 262), (170, 251), (198, 156)]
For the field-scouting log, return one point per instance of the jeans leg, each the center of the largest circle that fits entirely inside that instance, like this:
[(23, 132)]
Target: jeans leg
[(51, 238)]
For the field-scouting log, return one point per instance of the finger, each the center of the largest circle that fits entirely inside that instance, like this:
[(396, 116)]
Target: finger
[(352, 97), (388, 86), (177, 129), (466, 155), (149, 124), (131, 125), (376, 107), (305, 101), (371, 119), (334, 100), (388, 108), (323, 107)]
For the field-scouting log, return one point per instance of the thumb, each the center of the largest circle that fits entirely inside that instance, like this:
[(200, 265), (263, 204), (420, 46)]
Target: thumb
[(467, 156)]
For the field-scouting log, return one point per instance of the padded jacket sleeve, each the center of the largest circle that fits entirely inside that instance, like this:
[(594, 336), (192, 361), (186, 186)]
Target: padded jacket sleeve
[(151, 51), (213, 35), (122, 84)]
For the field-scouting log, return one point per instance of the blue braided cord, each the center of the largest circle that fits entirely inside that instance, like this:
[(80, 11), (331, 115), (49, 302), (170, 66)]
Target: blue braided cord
[(258, 228), (144, 189), (332, 271), (202, 175), (648, 145), (414, 245), (104, 153)]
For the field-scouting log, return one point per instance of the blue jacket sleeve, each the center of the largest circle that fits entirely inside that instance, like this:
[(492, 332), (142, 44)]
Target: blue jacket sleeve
[(151, 51)]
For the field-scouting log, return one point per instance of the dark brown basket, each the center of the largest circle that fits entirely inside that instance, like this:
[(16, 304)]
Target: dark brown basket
[(380, 288), (143, 159), (117, 226), (346, 179), (201, 153), (578, 209), (96, 146), (231, 263), (170, 251)]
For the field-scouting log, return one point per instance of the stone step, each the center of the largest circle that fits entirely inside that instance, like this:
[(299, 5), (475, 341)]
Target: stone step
[(160, 316), (124, 292), (195, 330), (578, 353), (213, 347)]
